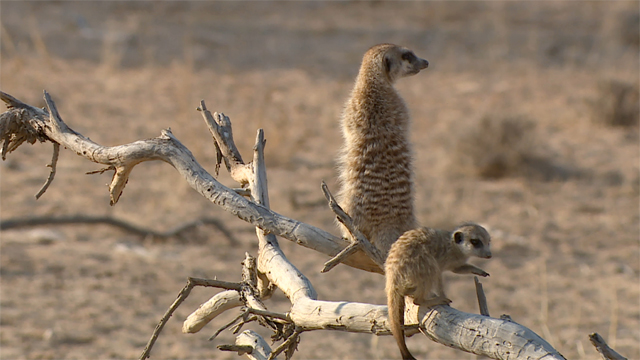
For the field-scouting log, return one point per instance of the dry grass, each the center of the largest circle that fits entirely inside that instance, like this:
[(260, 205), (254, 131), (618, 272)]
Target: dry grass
[(617, 104), (497, 147), (506, 146), (566, 247)]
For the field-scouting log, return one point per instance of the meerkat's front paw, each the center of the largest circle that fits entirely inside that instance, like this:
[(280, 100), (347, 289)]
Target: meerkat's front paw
[(479, 272), (446, 301), (482, 273)]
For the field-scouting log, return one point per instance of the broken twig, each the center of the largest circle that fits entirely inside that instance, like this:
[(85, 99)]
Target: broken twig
[(289, 345), (240, 349), (52, 173), (482, 300), (191, 282), (604, 349), (359, 241)]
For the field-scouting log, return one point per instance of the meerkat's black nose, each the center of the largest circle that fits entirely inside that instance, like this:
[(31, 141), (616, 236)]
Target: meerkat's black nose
[(425, 64)]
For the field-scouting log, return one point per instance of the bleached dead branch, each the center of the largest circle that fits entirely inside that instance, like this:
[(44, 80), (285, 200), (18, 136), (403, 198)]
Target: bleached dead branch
[(494, 338)]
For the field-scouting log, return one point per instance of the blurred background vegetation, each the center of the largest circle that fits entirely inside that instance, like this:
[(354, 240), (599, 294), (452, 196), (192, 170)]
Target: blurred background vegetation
[(526, 121)]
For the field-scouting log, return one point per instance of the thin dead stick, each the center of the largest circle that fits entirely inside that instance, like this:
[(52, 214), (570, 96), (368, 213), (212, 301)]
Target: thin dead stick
[(331, 263), (52, 173), (240, 349), (183, 295), (53, 117), (218, 158), (359, 240), (285, 344), (292, 348), (282, 316), (191, 282), (604, 349), (482, 300), (229, 324), (236, 329), (216, 283)]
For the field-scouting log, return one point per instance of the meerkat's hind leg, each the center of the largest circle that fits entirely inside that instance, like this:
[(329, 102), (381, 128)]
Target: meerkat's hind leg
[(438, 297), (434, 301), (410, 291), (431, 299)]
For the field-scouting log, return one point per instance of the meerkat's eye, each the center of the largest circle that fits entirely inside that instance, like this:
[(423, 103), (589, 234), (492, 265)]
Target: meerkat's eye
[(476, 243), (408, 56)]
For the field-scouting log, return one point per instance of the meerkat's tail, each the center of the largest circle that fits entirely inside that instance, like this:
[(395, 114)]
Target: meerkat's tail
[(395, 303)]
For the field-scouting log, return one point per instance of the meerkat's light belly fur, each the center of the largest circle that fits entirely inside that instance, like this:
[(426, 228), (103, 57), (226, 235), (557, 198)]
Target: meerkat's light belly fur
[(377, 185)]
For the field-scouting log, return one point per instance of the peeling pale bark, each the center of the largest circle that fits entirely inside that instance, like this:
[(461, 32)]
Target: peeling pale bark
[(215, 306), (494, 338), (483, 335), (261, 349)]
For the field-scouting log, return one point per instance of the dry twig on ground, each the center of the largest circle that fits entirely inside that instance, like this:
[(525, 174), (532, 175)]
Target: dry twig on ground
[(176, 231)]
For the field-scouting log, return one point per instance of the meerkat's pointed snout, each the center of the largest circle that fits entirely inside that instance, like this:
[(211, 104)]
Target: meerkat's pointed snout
[(424, 64)]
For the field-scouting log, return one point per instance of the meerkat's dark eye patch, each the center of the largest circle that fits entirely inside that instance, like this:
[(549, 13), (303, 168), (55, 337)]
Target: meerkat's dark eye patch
[(476, 243), (408, 56)]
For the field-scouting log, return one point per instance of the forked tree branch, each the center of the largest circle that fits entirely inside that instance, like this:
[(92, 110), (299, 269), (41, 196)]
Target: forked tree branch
[(23, 122), (494, 338), (191, 283)]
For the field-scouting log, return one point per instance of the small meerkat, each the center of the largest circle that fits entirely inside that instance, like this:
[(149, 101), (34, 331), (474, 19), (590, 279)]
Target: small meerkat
[(375, 163), (415, 264)]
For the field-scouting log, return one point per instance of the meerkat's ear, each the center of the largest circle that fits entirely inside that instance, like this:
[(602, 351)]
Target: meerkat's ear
[(387, 63), (458, 237)]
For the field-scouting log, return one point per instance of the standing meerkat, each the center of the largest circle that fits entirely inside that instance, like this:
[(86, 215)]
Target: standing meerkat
[(415, 264), (375, 162)]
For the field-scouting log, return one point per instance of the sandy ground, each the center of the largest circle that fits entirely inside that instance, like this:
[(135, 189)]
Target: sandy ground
[(563, 208)]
